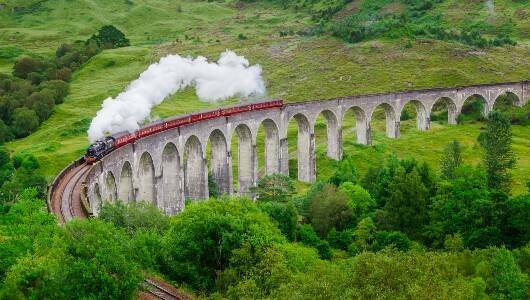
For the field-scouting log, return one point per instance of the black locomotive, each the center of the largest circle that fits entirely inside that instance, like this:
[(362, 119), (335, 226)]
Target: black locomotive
[(99, 149)]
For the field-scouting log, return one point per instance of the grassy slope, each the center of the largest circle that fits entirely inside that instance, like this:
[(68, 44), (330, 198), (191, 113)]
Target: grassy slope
[(296, 68)]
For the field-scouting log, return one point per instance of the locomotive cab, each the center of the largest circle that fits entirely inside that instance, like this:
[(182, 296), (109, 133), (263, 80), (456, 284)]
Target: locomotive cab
[(99, 149)]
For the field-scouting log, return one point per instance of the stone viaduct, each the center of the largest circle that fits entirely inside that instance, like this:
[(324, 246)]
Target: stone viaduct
[(171, 166)]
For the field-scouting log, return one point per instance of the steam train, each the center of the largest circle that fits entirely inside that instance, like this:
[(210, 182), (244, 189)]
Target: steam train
[(104, 146)]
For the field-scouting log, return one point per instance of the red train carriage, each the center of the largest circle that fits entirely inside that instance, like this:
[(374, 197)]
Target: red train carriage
[(176, 122), (101, 147)]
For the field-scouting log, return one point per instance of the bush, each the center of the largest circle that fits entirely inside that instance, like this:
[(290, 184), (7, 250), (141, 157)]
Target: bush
[(329, 209), (391, 239), (109, 37), (5, 133), (285, 215), (25, 121), (26, 65), (307, 236), (201, 239)]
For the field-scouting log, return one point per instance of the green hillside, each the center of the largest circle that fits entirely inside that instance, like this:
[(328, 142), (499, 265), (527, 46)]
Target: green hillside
[(297, 65)]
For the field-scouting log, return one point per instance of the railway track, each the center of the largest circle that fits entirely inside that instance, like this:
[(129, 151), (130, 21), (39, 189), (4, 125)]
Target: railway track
[(156, 290), (65, 203), (66, 197)]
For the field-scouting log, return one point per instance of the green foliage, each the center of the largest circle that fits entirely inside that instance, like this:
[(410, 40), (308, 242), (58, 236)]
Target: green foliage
[(5, 133), (363, 236), (307, 236), (413, 19), (391, 239), (463, 205), (405, 210), (344, 172), (276, 187), (25, 121), (27, 226), (201, 239), (19, 174), (213, 188), (329, 209), (284, 214), (134, 216), (517, 221), (503, 276), (498, 155), (451, 159), (109, 37), (95, 261), (26, 66), (359, 200)]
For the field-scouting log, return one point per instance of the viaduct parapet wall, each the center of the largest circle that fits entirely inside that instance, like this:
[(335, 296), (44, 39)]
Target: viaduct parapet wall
[(171, 166)]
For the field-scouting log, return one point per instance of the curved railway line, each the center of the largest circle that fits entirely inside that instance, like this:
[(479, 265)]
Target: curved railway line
[(65, 201)]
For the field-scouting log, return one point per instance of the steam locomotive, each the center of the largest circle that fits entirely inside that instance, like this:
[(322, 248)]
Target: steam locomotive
[(104, 146)]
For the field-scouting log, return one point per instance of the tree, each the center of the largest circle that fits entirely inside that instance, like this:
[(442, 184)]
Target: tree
[(358, 199), (363, 236), (391, 239), (344, 172), (498, 155), (25, 121), (283, 213), (59, 89), (110, 37), (201, 239), (134, 216), (42, 102), (464, 206), (26, 65), (405, 209), (276, 187), (329, 209), (451, 159), (26, 226), (503, 276), (308, 236), (5, 133), (95, 261)]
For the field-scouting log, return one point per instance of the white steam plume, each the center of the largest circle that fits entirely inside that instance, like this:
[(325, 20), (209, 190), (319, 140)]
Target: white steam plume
[(230, 76)]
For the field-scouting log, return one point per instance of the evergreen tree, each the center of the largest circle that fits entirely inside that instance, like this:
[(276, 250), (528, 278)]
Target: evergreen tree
[(451, 159), (498, 155), (405, 209)]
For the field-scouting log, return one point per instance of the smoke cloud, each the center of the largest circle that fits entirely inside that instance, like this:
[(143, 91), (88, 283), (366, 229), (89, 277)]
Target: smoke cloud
[(232, 75)]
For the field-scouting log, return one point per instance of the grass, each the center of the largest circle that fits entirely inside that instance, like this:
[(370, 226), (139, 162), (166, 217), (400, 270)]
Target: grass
[(296, 68)]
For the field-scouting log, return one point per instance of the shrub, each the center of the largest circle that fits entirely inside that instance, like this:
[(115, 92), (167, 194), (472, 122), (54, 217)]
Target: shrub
[(25, 121), (329, 209), (109, 36), (201, 239)]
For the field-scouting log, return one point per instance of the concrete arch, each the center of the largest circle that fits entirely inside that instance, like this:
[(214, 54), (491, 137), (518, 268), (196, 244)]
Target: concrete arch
[(126, 191), (246, 159), (146, 177), (518, 101), (110, 187), (272, 146), (96, 194), (486, 107), (422, 117), (334, 134), (452, 111), (362, 126), (171, 179), (219, 161), (195, 173), (305, 149), (392, 122)]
